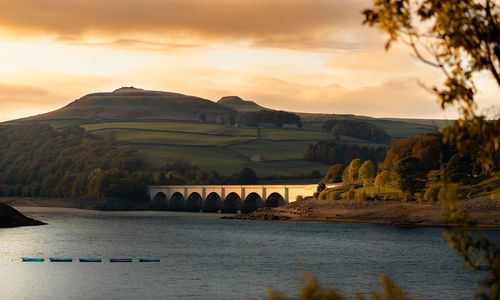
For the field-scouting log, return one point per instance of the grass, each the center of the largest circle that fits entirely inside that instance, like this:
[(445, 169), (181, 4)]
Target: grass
[(284, 134), (228, 149), (176, 126), (272, 150), (172, 138), (224, 160)]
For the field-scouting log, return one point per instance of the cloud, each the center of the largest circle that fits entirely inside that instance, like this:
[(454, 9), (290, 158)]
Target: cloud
[(46, 91), (274, 23)]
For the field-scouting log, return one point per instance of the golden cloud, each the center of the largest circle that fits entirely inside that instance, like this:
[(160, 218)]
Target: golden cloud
[(265, 22)]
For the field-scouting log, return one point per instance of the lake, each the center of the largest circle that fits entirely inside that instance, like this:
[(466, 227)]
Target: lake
[(205, 257)]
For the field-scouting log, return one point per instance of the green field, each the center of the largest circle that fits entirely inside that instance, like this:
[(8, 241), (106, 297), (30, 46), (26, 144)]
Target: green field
[(228, 149)]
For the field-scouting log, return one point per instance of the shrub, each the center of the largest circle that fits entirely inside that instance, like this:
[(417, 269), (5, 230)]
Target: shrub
[(431, 194)]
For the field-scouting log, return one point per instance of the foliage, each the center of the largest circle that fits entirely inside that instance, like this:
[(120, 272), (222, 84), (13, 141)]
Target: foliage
[(312, 290), (426, 148), (459, 169), (334, 174), (367, 172), (353, 170), (461, 38), (275, 117), (381, 180), (411, 175), (247, 176), (330, 152), (36, 161), (356, 128), (431, 193)]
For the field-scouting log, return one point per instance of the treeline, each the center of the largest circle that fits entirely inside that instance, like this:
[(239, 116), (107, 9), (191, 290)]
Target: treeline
[(275, 117), (38, 161), (416, 165), (358, 129), (331, 152)]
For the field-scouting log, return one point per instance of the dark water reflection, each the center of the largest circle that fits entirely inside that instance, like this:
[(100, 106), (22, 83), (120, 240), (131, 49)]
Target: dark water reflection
[(204, 257)]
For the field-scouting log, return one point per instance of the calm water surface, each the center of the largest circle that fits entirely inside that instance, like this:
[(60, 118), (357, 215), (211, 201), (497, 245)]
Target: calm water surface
[(204, 257)]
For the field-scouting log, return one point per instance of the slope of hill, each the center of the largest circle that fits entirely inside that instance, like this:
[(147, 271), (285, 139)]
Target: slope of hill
[(239, 104), (163, 125), (136, 104)]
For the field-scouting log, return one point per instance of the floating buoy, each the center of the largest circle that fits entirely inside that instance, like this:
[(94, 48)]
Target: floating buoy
[(149, 260), (53, 259), (120, 260), (32, 259), (90, 259)]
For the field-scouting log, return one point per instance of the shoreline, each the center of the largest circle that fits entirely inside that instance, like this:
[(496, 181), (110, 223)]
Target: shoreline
[(485, 212)]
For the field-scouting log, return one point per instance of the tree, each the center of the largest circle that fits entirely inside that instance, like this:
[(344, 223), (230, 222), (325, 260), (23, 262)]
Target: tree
[(381, 180), (461, 38), (247, 176), (411, 175), (336, 131), (353, 170), (367, 172), (459, 169), (202, 117), (334, 174)]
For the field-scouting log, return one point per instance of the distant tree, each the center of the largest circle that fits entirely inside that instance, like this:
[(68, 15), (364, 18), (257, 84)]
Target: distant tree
[(426, 148), (381, 180), (353, 170), (247, 176), (411, 175), (367, 172), (334, 174), (202, 117), (336, 132)]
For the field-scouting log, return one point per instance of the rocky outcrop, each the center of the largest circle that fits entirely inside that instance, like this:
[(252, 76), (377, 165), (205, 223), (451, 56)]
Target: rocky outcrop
[(10, 217)]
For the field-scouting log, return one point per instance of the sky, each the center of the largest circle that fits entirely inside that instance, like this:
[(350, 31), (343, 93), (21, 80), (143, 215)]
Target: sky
[(295, 55)]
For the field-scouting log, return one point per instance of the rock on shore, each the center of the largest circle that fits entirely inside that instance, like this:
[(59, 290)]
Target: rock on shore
[(10, 217)]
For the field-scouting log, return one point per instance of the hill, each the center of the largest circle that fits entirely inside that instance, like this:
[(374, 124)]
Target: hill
[(164, 125), (239, 104), (130, 103)]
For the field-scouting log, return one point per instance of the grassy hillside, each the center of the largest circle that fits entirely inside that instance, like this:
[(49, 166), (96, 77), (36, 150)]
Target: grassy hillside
[(136, 104), (218, 147), (164, 125)]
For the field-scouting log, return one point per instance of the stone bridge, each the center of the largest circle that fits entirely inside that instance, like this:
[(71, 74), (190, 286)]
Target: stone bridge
[(226, 198)]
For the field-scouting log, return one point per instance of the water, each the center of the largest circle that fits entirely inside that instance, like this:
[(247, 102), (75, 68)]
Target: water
[(204, 257)]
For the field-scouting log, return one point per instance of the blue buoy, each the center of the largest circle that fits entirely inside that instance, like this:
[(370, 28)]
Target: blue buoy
[(31, 259), (90, 259), (149, 260), (53, 259), (120, 260)]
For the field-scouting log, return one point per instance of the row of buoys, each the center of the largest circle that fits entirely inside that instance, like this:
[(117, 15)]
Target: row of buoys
[(55, 259)]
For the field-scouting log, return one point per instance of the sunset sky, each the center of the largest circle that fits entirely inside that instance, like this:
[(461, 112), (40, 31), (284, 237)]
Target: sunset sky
[(297, 55)]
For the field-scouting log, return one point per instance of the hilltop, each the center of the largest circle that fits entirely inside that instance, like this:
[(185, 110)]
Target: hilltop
[(239, 104), (129, 103)]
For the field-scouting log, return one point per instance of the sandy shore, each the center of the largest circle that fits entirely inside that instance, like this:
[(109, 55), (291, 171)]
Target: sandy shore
[(485, 213)]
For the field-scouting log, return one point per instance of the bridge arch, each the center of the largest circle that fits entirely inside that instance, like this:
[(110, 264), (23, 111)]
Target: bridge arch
[(274, 200), (232, 203), (212, 203), (176, 202), (251, 203), (193, 202), (160, 198)]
